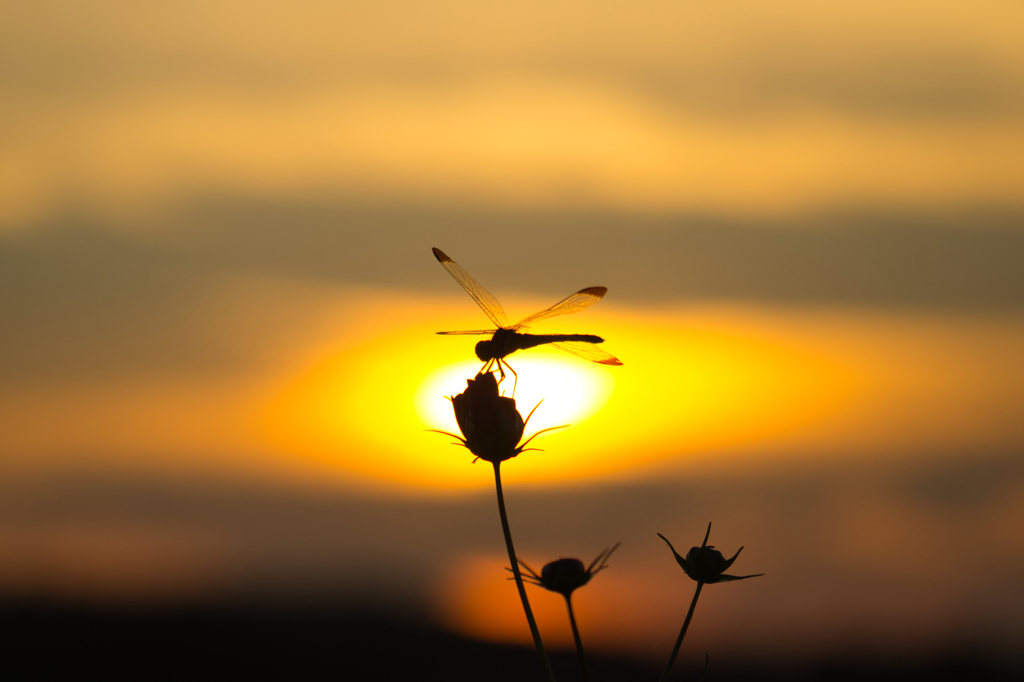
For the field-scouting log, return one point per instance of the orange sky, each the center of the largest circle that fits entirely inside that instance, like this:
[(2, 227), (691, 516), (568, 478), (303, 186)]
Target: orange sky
[(216, 294)]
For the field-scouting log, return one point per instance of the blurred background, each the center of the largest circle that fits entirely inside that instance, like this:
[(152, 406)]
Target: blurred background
[(218, 305)]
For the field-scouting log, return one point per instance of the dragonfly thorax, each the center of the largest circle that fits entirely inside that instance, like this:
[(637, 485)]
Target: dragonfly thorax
[(501, 344)]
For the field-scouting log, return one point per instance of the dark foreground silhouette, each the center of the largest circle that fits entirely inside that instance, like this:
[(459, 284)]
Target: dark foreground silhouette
[(244, 642)]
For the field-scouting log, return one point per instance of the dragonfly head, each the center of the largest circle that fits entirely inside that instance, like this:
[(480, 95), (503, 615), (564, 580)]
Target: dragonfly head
[(485, 350)]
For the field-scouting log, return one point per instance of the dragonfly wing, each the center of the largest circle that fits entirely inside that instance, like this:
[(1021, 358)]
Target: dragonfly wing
[(581, 300), (478, 332), (492, 309), (587, 351)]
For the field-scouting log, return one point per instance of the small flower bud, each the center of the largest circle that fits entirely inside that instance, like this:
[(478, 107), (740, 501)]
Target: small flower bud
[(566, 575), (705, 564)]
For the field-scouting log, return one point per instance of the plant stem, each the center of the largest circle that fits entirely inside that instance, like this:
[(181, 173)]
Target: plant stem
[(579, 642), (682, 633), (519, 577)]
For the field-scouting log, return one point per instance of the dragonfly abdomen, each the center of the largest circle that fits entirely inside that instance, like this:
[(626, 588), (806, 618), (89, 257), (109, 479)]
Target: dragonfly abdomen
[(506, 341), (524, 341)]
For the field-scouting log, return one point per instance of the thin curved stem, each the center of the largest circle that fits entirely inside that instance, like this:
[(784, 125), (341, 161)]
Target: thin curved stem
[(519, 577), (579, 642), (682, 633)]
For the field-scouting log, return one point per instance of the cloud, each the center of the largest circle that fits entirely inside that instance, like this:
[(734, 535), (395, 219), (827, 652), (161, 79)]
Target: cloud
[(735, 108), (921, 58)]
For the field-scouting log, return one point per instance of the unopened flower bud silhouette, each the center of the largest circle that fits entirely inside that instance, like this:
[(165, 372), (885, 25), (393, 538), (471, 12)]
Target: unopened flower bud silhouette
[(705, 564), (490, 423), (566, 575)]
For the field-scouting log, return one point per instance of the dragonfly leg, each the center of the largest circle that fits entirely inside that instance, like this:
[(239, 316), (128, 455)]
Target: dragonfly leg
[(515, 381)]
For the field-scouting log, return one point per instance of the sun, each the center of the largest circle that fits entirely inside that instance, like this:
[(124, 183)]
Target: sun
[(365, 408)]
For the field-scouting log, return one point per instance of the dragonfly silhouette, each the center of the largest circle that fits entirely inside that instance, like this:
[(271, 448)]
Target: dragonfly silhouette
[(507, 339)]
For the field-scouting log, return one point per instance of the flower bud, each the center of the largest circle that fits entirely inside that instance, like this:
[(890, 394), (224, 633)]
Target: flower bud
[(705, 564), (565, 575), (490, 423)]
